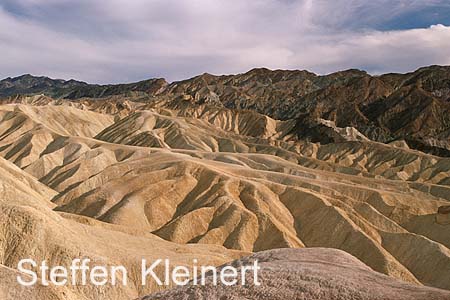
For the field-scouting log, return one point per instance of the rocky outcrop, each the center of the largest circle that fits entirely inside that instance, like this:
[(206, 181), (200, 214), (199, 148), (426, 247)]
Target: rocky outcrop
[(307, 274), (443, 215)]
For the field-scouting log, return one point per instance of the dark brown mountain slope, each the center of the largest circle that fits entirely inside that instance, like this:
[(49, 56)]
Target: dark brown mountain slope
[(73, 89), (414, 107)]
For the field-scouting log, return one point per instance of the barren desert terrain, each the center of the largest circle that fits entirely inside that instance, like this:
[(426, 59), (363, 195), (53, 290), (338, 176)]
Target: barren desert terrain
[(350, 172)]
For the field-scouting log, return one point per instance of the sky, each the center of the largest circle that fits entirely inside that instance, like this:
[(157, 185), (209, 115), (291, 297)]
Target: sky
[(112, 41)]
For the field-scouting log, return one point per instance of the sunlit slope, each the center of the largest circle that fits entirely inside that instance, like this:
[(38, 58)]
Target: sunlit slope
[(214, 180), (29, 228)]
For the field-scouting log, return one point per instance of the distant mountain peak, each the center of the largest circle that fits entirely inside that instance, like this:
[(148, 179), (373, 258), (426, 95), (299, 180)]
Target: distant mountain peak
[(28, 84)]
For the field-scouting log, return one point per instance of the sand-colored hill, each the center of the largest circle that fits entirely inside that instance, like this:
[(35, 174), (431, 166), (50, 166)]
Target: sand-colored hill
[(120, 180), (227, 202), (29, 228), (11, 290)]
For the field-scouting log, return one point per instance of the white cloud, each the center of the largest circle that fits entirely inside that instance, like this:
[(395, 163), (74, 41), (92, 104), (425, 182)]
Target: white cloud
[(116, 41)]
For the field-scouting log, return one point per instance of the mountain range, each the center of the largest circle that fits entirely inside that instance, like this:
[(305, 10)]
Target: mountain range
[(412, 107), (338, 184)]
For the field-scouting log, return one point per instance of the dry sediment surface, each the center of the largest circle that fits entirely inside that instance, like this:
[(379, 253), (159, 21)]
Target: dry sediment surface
[(119, 180)]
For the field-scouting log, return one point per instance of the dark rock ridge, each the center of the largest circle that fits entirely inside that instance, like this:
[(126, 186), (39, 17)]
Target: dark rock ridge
[(443, 215), (73, 89), (414, 107), (445, 210)]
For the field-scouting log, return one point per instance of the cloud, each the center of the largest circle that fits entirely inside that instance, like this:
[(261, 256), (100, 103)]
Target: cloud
[(381, 52), (117, 41)]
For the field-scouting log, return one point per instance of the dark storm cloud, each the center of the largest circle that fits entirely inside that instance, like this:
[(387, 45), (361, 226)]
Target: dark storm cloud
[(117, 40)]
